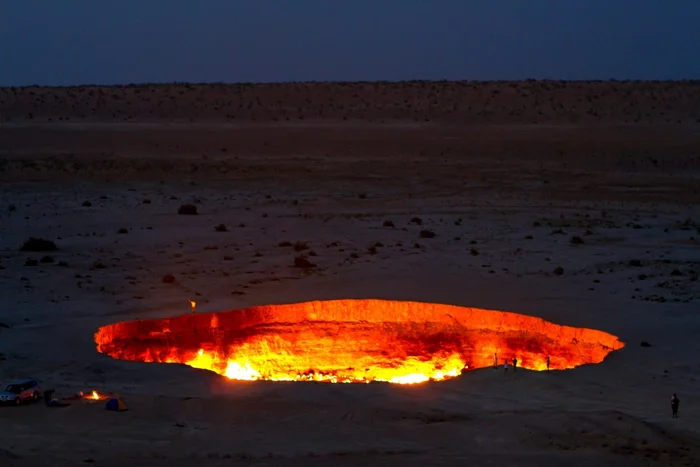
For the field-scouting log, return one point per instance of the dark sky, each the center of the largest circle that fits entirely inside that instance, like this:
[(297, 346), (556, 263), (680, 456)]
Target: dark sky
[(60, 42)]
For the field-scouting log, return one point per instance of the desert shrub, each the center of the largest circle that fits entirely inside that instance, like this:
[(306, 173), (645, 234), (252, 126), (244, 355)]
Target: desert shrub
[(123, 231), (168, 279), (284, 243), (558, 270), (303, 262), (427, 234), (31, 262), (187, 210), (388, 224), (46, 259), (221, 228), (38, 245), (576, 240)]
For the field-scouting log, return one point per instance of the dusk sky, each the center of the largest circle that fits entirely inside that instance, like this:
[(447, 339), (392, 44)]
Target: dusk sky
[(64, 42)]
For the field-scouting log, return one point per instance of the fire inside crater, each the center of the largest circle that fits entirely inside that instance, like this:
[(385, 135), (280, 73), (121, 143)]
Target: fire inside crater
[(354, 341)]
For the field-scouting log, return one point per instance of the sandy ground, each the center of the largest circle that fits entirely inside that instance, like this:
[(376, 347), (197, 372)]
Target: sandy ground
[(504, 201)]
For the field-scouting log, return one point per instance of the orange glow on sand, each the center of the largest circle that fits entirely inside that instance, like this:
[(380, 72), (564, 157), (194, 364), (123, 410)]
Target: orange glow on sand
[(354, 341)]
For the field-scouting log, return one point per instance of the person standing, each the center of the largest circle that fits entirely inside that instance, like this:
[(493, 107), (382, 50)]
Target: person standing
[(505, 367), (495, 360), (547, 362), (515, 364), (675, 402)]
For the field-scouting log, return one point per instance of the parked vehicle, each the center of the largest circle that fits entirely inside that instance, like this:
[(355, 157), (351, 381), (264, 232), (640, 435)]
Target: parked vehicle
[(21, 391)]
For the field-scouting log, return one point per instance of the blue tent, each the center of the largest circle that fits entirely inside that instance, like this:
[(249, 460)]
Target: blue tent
[(116, 404)]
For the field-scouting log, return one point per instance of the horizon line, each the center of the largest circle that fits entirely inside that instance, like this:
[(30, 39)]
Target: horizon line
[(350, 82)]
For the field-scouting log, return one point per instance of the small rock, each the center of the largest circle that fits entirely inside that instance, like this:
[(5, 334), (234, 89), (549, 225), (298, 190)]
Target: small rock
[(187, 210), (38, 245), (303, 262), (168, 279), (645, 344)]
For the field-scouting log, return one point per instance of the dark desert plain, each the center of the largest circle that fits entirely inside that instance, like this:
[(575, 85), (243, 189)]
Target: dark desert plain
[(577, 202)]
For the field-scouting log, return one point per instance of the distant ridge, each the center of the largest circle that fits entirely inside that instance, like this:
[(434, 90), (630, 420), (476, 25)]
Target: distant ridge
[(529, 101)]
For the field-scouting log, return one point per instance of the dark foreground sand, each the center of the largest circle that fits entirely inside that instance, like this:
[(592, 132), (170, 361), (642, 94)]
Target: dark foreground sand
[(513, 193)]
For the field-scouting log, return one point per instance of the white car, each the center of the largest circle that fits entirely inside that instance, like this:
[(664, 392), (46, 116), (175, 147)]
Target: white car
[(21, 391)]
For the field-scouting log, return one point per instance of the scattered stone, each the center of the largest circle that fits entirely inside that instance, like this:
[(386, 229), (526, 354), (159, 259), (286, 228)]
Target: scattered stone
[(676, 272), (416, 220), (285, 243), (427, 234), (388, 224), (576, 240), (559, 270), (146, 201), (474, 252), (220, 228), (187, 210), (38, 245), (645, 344), (4, 325), (168, 279), (123, 231), (31, 262), (635, 263), (87, 204), (46, 259), (303, 262)]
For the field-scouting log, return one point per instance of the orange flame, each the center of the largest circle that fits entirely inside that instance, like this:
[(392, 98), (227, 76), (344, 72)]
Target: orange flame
[(193, 305), (94, 395), (352, 341)]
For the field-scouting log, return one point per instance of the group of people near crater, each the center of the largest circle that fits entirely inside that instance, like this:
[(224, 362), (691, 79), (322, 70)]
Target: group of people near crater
[(675, 401), (507, 362)]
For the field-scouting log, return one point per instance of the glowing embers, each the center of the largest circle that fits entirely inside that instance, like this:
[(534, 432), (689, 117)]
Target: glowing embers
[(352, 341)]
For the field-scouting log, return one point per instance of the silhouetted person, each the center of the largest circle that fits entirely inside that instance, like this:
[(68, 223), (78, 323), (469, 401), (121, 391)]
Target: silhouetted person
[(547, 362), (495, 360), (515, 364), (675, 402)]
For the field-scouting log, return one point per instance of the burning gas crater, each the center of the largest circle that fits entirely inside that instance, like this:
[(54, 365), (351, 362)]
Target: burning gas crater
[(354, 341)]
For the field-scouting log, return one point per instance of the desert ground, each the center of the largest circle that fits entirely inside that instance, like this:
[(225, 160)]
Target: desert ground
[(575, 202)]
